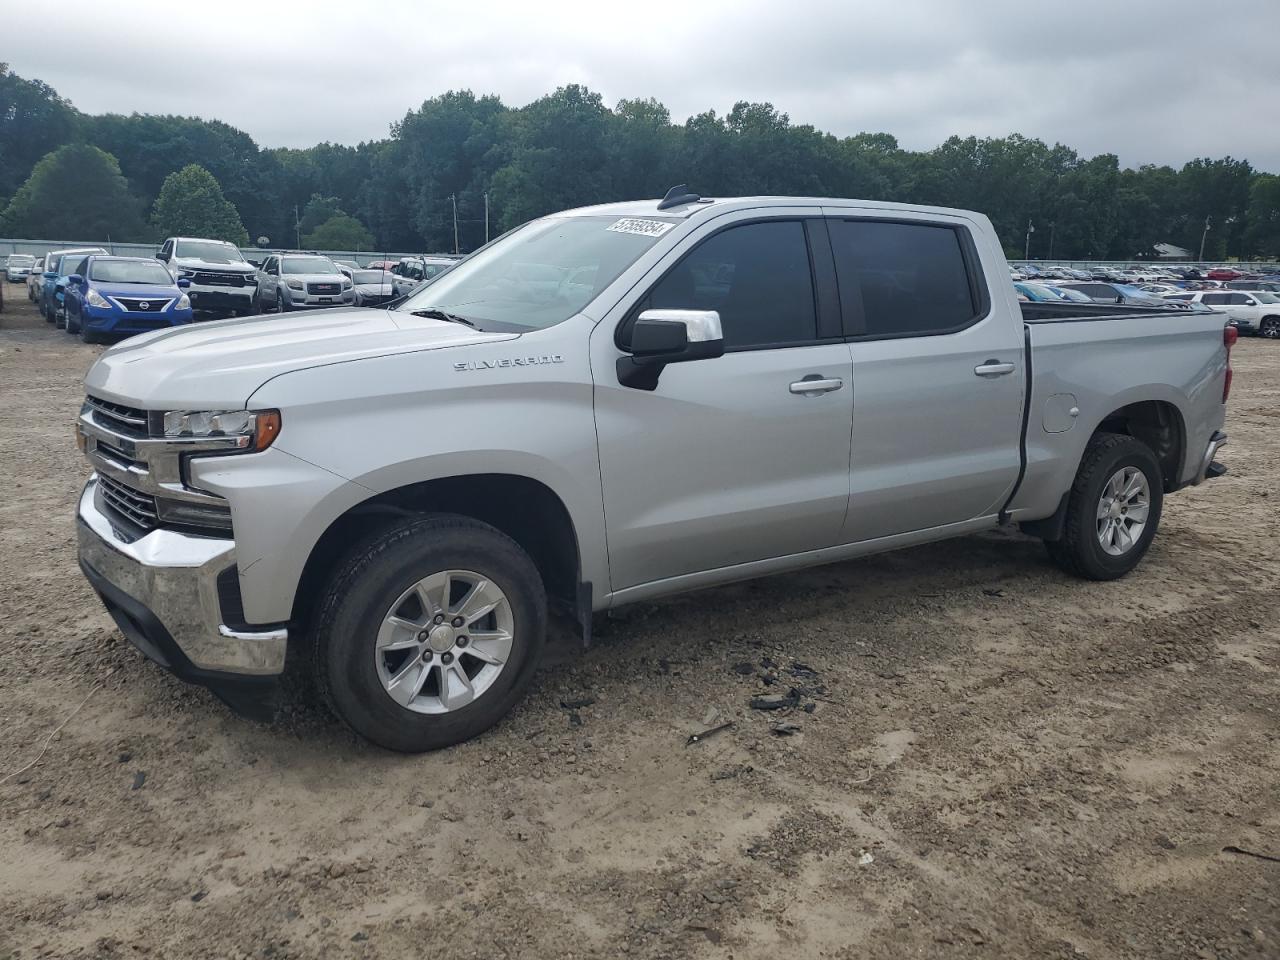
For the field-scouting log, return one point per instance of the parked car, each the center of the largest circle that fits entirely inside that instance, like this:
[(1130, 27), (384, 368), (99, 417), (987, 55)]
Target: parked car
[(35, 279), (373, 287), (288, 281), (404, 492), (17, 267), (349, 264), (1223, 273), (1271, 286), (417, 270), (58, 264), (380, 265), (1114, 293), (1250, 312), (1045, 293), (221, 280), (108, 296)]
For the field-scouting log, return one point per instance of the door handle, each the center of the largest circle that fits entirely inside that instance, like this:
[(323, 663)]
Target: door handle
[(813, 385), (993, 368)]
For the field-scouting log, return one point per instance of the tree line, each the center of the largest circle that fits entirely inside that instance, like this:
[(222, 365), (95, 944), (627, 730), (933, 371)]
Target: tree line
[(64, 173)]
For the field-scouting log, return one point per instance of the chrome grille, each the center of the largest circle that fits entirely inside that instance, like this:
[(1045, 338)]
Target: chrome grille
[(324, 288), (129, 421), (213, 279), (143, 304), (136, 507)]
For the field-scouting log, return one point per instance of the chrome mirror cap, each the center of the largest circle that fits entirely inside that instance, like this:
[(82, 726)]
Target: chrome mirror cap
[(701, 326)]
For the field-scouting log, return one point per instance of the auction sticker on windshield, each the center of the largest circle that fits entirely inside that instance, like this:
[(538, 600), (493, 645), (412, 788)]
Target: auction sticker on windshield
[(646, 228)]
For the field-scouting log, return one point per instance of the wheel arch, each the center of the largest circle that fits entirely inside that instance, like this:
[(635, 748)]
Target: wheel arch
[(1161, 426), (525, 509)]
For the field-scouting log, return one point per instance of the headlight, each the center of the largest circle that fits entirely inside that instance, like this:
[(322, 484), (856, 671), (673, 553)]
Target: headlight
[(346, 284), (184, 303), (95, 299), (185, 273), (252, 429), (296, 285)]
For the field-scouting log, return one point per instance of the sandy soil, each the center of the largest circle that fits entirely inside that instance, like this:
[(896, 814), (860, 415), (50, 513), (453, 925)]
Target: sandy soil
[(1001, 761)]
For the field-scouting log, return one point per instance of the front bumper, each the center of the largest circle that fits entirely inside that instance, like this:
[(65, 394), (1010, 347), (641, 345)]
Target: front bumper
[(162, 591), (106, 320), (299, 300), (209, 297)]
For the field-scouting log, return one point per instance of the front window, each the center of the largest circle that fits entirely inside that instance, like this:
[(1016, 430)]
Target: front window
[(129, 271), (541, 273), (300, 265), (209, 250)]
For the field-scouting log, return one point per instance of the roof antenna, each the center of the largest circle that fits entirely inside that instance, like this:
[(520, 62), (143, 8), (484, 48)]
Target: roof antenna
[(678, 196)]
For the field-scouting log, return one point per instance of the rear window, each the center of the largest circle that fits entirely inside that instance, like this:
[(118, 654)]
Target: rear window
[(909, 279)]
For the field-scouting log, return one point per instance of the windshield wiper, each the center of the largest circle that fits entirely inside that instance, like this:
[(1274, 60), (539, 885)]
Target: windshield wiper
[(434, 314)]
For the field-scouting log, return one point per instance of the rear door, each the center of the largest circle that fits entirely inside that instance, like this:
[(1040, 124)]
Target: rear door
[(730, 460), (938, 375)]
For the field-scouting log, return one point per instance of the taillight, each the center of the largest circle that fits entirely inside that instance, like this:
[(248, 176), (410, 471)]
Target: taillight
[(1229, 337)]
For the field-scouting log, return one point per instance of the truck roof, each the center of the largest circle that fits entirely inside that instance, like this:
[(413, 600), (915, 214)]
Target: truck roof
[(684, 211)]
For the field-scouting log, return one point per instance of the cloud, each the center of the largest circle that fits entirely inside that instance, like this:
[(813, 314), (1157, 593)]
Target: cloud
[(1152, 82)]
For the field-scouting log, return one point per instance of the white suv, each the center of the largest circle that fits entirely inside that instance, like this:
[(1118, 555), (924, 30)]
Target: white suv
[(1250, 311)]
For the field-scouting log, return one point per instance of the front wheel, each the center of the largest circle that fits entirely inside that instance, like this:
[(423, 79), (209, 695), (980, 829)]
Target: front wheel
[(1270, 328), (430, 633), (1113, 509), (282, 305)]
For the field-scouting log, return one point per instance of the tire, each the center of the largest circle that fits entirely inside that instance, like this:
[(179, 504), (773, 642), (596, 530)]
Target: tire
[(364, 592), (72, 325), (1270, 328), (282, 305), (1081, 550), (88, 336)]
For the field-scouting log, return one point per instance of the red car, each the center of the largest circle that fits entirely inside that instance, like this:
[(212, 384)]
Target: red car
[(1223, 273), (380, 265)]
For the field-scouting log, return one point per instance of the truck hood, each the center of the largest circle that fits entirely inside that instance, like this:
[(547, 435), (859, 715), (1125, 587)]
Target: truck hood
[(219, 365)]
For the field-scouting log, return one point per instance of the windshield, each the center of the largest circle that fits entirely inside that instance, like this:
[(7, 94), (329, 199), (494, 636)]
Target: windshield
[(370, 276), (297, 265), (1263, 297), (210, 250), (21, 260), (129, 271), (540, 274)]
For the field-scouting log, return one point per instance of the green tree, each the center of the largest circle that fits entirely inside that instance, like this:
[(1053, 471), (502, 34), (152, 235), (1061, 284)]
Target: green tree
[(341, 232), (76, 192), (34, 121), (1263, 237), (317, 211), (191, 204)]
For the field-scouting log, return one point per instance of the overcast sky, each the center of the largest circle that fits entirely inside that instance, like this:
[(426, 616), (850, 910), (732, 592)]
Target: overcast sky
[(1155, 82)]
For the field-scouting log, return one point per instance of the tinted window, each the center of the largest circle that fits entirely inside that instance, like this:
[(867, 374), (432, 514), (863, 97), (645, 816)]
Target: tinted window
[(1218, 298), (756, 276), (1239, 299), (911, 277)]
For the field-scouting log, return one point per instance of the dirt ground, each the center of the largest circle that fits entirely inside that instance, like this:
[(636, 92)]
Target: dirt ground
[(1001, 761)]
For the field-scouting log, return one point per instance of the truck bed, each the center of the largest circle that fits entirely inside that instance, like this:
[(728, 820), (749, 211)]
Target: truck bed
[(1068, 310)]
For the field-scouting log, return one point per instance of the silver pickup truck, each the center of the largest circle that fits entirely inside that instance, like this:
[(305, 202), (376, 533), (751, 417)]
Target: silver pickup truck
[(608, 405)]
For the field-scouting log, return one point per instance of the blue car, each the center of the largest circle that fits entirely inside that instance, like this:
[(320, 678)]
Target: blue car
[(113, 296), (57, 266)]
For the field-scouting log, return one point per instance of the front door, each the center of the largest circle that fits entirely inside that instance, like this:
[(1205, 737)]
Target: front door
[(728, 460), (938, 376)]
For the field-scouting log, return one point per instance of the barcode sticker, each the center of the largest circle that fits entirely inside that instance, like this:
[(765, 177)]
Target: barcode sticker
[(646, 228)]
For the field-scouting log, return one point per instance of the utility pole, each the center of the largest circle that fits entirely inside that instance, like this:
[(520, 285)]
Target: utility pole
[(1203, 236), (297, 226), (486, 216), (1031, 228), (454, 198), (1051, 226)]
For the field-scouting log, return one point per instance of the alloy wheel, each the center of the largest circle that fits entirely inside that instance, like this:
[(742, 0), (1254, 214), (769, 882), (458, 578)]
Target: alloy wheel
[(444, 642), (1123, 509)]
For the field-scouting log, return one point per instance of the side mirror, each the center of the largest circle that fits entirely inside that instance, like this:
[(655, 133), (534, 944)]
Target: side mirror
[(183, 283), (51, 275), (162, 257), (660, 337), (1250, 302), (76, 279)]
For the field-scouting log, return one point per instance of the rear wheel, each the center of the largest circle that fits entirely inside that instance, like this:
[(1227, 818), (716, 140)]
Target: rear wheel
[(1270, 328), (430, 633), (1113, 510)]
